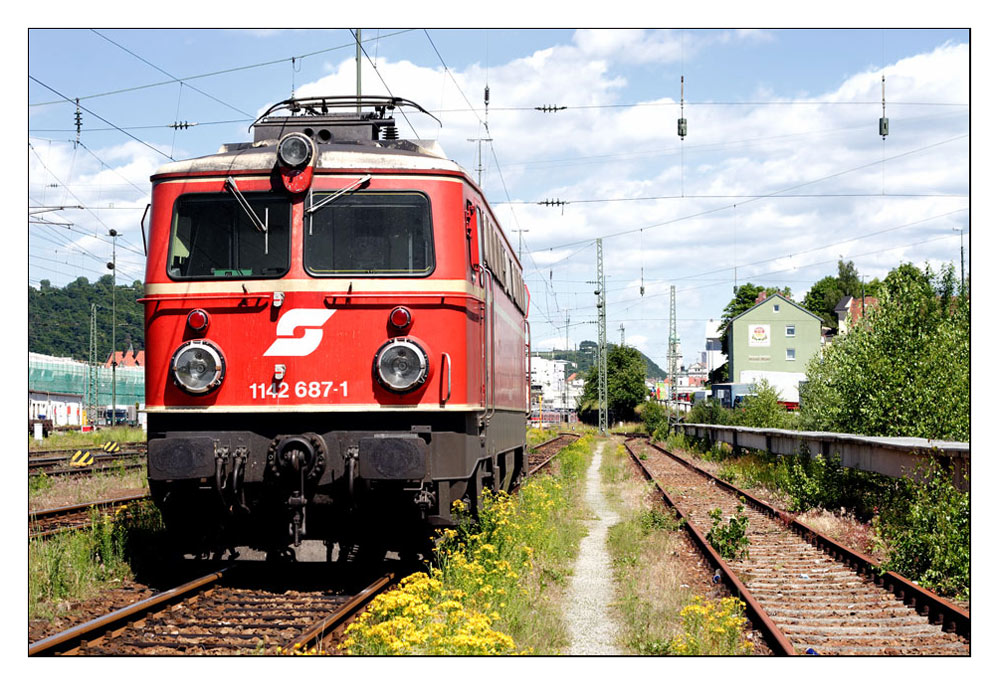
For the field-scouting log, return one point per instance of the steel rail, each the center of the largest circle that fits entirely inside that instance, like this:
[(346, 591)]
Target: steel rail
[(47, 460), (79, 471), (79, 507), (39, 517), (545, 463), (936, 609), (761, 621), (314, 635), (75, 637)]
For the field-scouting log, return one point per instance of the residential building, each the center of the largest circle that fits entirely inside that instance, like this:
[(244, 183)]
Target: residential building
[(773, 340), (850, 310), (713, 357)]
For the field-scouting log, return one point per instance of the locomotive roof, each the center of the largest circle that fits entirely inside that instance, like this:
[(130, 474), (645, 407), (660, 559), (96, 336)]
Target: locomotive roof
[(376, 155)]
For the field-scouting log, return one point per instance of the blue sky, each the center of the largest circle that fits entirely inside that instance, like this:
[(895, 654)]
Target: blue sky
[(782, 172)]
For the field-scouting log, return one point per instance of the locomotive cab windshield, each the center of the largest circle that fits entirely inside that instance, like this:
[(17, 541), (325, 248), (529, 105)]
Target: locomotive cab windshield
[(385, 233), (212, 237)]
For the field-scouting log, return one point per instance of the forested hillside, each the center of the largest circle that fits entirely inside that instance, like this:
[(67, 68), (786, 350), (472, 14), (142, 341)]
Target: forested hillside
[(584, 359), (59, 319)]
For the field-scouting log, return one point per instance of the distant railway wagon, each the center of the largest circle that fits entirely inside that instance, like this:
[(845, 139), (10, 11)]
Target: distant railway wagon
[(336, 335)]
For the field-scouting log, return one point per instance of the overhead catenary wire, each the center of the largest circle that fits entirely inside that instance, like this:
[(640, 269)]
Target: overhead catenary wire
[(91, 112), (222, 71), (757, 198)]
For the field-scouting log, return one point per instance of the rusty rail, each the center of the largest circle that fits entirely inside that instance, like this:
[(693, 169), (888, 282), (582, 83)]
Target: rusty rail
[(75, 637), (315, 635)]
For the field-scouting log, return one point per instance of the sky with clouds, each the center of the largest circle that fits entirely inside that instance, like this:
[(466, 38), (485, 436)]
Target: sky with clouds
[(781, 174)]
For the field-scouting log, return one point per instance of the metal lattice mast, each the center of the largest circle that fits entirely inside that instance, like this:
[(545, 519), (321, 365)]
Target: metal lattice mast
[(92, 400), (602, 344), (672, 351), (565, 373)]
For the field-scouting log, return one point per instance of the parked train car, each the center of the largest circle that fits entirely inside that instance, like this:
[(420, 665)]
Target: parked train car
[(335, 335)]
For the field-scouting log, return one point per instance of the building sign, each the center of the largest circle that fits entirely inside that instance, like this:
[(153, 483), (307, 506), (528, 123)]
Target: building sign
[(760, 335), (759, 358)]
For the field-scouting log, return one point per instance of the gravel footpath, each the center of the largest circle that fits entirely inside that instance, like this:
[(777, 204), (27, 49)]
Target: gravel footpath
[(591, 629)]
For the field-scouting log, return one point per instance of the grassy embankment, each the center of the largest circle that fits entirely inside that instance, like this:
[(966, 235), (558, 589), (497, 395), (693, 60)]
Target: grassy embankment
[(657, 611)]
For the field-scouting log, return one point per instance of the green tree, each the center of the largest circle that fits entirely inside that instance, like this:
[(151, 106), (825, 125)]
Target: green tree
[(905, 371), (626, 384), (59, 319), (824, 296)]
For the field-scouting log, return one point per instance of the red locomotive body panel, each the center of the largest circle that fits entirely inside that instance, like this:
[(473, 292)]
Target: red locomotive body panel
[(334, 343)]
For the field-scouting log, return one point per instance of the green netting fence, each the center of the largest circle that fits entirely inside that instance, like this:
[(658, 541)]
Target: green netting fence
[(63, 375)]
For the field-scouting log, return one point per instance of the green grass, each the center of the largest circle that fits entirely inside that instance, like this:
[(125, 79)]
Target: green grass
[(75, 440), (77, 565), (655, 608)]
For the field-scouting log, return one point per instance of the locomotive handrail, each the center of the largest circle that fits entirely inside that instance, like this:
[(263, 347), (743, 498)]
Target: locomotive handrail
[(446, 356)]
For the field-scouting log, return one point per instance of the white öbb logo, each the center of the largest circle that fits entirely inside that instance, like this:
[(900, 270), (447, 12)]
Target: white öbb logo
[(310, 319)]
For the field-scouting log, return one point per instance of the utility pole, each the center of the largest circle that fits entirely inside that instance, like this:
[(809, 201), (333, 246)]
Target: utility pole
[(520, 238), (565, 375), (602, 344), (961, 243), (92, 371), (486, 126), (114, 325), (357, 62), (621, 327), (672, 352)]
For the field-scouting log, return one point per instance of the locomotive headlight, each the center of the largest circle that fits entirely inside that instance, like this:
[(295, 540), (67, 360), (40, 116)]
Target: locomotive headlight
[(401, 365), (198, 366), (295, 150)]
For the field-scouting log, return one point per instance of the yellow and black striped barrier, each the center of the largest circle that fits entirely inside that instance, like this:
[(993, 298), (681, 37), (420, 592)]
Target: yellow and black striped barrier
[(81, 458), (111, 446)]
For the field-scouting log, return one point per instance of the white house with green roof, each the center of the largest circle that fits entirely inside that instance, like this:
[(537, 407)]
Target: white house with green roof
[(773, 340)]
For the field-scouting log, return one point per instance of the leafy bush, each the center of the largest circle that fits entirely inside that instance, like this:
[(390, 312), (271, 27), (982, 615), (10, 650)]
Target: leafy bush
[(729, 540), (709, 412), (929, 533), (654, 417), (762, 410)]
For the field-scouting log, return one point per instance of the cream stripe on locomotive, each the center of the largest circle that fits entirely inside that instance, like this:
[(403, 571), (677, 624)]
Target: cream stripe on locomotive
[(358, 286), (328, 408)]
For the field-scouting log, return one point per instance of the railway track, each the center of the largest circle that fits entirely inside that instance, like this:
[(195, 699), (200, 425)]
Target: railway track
[(241, 609), (53, 521), (804, 592), (57, 462), (544, 452)]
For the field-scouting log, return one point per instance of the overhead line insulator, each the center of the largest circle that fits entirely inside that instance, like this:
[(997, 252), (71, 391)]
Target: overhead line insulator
[(550, 108)]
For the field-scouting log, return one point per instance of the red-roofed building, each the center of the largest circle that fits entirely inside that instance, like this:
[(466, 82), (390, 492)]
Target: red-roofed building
[(129, 358), (851, 310)]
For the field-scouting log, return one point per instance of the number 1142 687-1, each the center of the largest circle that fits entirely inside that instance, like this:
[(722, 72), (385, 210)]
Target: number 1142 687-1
[(301, 390)]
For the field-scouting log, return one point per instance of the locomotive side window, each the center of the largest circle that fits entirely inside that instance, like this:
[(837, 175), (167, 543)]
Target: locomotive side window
[(370, 233), (212, 237)]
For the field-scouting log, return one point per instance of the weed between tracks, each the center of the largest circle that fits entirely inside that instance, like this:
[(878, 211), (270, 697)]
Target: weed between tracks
[(659, 613), (78, 564), (496, 584)]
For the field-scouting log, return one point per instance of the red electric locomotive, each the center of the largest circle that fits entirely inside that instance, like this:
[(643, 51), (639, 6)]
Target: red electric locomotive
[(335, 335)]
